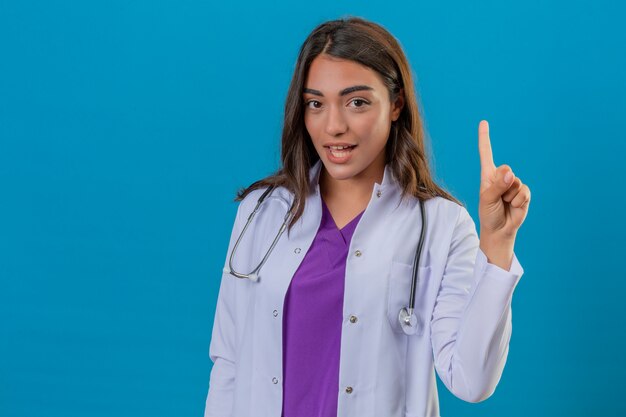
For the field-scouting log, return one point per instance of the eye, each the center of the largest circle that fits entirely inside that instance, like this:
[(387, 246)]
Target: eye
[(312, 101), (359, 102)]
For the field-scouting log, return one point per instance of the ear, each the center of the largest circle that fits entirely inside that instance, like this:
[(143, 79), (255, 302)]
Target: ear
[(397, 106)]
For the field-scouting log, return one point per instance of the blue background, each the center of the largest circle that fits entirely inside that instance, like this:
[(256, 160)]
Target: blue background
[(127, 126)]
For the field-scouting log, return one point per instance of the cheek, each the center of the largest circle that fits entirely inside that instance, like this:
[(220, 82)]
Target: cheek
[(312, 126), (373, 127)]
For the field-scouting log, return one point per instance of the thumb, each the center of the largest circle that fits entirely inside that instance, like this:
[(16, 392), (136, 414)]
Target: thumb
[(503, 180)]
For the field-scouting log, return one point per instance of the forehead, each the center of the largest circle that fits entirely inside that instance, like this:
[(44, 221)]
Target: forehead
[(331, 75)]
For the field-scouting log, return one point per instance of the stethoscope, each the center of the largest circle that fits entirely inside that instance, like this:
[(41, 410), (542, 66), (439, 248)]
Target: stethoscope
[(406, 316)]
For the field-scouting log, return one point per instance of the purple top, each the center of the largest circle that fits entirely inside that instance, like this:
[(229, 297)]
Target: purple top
[(313, 316)]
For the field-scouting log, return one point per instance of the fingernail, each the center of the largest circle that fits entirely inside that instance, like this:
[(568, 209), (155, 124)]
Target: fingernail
[(508, 177)]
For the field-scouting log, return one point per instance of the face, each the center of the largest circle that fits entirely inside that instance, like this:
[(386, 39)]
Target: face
[(346, 103)]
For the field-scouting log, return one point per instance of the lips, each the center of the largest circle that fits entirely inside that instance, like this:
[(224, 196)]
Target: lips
[(339, 156)]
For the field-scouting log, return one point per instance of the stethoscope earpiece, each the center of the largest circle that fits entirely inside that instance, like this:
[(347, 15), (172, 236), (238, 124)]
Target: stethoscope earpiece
[(252, 277)]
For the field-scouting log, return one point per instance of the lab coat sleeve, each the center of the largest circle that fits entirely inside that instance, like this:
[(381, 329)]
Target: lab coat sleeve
[(222, 349), (471, 321)]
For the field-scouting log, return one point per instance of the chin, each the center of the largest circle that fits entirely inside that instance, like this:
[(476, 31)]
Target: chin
[(341, 171)]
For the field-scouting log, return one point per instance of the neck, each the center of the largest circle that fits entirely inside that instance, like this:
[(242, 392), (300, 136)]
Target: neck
[(351, 190)]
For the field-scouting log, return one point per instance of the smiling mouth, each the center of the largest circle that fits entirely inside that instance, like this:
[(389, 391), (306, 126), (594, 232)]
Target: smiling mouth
[(339, 156)]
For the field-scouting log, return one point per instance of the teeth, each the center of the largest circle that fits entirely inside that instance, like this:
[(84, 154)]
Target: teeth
[(339, 147), (339, 154)]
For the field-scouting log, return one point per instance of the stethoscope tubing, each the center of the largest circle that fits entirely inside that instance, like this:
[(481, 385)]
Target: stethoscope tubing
[(406, 316)]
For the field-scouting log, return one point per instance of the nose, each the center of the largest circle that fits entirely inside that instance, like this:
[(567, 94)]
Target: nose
[(335, 122)]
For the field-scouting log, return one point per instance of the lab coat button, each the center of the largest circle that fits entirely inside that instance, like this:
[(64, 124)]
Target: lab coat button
[(353, 319), (357, 253), (349, 390), (275, 312), (275, 380), (297, 250), (379, 193)]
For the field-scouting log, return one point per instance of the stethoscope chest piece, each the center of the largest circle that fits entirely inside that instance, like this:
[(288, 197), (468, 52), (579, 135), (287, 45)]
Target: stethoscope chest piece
[(408, 322)]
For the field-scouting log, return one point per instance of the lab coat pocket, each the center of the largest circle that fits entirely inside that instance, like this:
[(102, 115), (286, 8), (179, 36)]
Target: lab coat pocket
[(399, 293)]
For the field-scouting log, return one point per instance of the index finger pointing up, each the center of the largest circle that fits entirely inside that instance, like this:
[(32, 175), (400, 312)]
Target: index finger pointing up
[(484, 147)]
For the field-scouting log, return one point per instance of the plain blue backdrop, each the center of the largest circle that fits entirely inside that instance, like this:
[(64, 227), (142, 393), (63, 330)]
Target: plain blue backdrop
[(126, 128)]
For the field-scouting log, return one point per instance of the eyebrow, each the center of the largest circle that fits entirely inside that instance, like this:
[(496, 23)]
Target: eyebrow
[(342, 92)]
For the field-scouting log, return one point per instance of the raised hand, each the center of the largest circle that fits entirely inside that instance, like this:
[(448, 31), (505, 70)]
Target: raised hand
[(504, 199)]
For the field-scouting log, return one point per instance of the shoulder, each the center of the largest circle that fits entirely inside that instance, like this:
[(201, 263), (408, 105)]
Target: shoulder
[(444, 207), (252, 197), (249, 202), (447, 213), (246, 205)]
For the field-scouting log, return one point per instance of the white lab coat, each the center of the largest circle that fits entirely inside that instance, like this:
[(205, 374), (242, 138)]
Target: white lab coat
[(463, 306)]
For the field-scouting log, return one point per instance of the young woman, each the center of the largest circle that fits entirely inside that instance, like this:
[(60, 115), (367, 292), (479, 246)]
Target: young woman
[(381, 279)]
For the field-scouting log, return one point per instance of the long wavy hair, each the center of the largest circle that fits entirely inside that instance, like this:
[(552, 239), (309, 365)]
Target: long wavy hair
[(371, 45)]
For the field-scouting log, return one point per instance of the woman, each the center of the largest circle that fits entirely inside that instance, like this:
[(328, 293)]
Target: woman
[(317, 330)]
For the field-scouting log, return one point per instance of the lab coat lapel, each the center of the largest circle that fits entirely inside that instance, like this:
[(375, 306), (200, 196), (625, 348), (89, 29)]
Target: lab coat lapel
[(274, 280), (294, 246)]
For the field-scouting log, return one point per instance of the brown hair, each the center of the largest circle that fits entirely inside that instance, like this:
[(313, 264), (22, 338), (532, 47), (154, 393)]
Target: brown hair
[(371, 45)]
